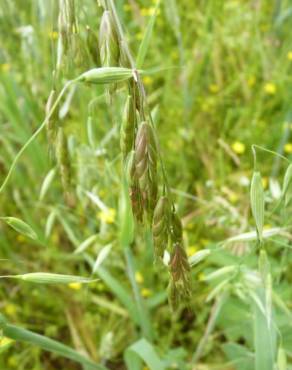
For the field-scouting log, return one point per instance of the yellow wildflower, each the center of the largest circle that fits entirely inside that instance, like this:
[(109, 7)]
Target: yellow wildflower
[(233, 198), (265, 182), (75, 286), (214, 88), (147, 80), (145, 292), (270, 88), (5, 341), (10, 309), (5, 67), (174, 55), (251, 81), (108, 215), (139, 277), (289, 55), (53, 35), (145, 12), (192, 249), (139, 36), (288, 148), (238, 147), (201, 276)]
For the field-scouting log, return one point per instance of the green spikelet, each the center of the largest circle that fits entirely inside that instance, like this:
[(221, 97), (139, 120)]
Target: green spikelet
[(146, 166), (135, 191), (128, 127), (160, 226), (63, 160), (180, 286), (108, 41)]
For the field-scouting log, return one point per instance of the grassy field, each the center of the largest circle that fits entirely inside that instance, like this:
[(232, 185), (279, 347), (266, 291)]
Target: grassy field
[(85, 283)]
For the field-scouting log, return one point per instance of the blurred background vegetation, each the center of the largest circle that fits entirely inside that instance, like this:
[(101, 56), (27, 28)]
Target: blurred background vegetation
[(222, 83)]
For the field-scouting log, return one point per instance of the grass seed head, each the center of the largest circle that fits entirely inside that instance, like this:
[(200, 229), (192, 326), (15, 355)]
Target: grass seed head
[(108, 41), (105, 75), (146, 166), (160, 226), (128, 127)]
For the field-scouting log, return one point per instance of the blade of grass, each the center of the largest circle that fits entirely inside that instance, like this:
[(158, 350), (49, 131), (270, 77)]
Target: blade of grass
[(144, 46)]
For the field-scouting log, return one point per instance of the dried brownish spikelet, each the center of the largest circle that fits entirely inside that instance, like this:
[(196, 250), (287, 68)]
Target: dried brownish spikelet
[(146, 166), (92, 45), (160, 226), (127, 134), (63, 159), (180, 286), (135, 191), (108, 41)]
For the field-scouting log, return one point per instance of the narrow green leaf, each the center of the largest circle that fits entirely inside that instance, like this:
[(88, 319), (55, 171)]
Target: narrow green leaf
[(257, 203), (264, 337), (281, 359), (144, 46), (47, 344), (286, 191), (199, 256), (47, 183), (226, 270), (143, 351), (85, 244), (20, 226), (49, 278), (120, 292), (126, 221)]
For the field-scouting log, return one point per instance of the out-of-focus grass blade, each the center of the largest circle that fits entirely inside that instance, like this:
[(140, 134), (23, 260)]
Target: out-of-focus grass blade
[(47, 344), (142, 309), (281, 359), (102, 255), (257, 202), (20, 226), (120, 292), (126, 221), (49, 278), (143, 351), (199, 256), (264, 336), (85, 244), (47, 183), (146, 38), (252, 235), (226, 270)]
